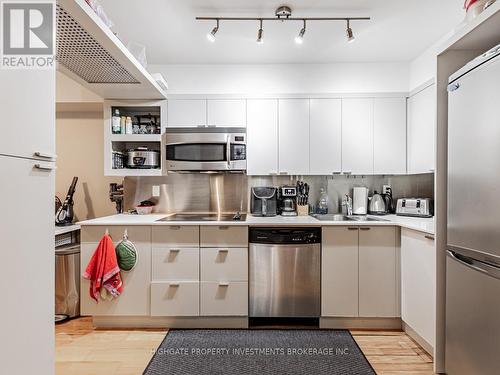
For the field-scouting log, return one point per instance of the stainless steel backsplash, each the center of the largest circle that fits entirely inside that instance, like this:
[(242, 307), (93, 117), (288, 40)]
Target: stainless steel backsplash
[(192, 192)]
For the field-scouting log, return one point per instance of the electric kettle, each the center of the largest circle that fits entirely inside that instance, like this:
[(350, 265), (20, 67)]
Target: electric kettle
[(377, 204)]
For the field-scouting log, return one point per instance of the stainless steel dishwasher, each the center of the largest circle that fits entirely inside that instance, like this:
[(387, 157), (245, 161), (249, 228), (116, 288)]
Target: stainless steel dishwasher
[(285, 272)]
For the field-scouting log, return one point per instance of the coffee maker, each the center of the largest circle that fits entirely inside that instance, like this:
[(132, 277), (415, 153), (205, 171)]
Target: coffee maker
[(287, 199)]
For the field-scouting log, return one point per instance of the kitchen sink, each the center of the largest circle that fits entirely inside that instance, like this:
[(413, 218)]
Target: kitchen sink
[(365, 218), (340, 217), (331, 217)]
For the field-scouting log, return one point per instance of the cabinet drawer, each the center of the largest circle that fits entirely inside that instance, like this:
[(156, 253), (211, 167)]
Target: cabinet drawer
[(176, 235), (223, 236), (136, 233), (175, 264), (175, 299), (224, 298), (224, 264)]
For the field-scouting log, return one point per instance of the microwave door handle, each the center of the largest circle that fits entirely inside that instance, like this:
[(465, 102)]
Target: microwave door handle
[(228, 151)]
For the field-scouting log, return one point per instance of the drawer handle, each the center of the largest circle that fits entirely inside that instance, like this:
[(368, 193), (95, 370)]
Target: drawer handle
[(429, 237), (364, 228), (223, 250), (224, 227), (45, 167), (174, 285), (175, 227), (223, 285), (352, 228), (175, 250)]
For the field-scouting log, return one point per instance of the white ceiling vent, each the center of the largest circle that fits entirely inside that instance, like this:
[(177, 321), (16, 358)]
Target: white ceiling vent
[(80, 53)]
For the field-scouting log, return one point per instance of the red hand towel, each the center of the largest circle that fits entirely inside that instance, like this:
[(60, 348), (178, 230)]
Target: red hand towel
[(103, 270)]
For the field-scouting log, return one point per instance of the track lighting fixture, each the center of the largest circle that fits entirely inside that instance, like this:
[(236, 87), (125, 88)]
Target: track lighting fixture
[(260, 39), (282, 14), (350, 34), (299, 39), (211, 35)]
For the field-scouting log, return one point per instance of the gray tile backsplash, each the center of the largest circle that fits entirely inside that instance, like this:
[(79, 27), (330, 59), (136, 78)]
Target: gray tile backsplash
[(230, 192)]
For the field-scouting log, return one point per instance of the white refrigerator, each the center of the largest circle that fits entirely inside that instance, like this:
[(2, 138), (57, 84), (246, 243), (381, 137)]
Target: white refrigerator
[(473, 238), (27, 180)]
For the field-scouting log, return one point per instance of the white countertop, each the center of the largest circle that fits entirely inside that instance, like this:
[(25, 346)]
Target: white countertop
[(66, 229), (426, 225)]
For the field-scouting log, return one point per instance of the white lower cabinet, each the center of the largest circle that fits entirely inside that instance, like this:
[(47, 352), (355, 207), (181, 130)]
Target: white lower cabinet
[(224, 264), (175, 298), (224, 298), (135, 298), (175, 263), (418, 283), (378, 276), (359, 272), (339, 272), (224, 235)]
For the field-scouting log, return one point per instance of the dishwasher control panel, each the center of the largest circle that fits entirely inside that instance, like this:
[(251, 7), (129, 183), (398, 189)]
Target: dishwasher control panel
[(285, 236)]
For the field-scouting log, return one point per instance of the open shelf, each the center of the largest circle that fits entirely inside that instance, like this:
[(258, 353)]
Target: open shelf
[(89, 52), (135, 138), (146, 116)]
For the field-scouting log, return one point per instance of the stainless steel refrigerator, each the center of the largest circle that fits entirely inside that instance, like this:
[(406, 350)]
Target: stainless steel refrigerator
[(473, 246)]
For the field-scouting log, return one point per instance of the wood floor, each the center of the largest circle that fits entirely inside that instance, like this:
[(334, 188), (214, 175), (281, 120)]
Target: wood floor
[(81, 350)]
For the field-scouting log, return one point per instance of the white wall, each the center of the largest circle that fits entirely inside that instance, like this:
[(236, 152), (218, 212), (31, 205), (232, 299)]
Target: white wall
[(424, 67), (70, 91), (285, 79)]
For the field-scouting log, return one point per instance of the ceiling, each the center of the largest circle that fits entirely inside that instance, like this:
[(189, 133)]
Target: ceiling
[(399, 30)]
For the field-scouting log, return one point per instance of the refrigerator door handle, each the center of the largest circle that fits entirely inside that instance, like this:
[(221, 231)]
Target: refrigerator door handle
[(45, 167), (45, 155), (475, 264)]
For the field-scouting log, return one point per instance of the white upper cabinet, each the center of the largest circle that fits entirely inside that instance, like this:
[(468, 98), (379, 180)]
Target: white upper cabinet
[(357, 136), (262, 137), (187, 113), (421, 131), (389, 133), (293, 136), (227, 113), (326, 136)]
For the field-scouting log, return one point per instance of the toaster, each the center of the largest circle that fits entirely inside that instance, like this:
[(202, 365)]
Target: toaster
[(416, 207)]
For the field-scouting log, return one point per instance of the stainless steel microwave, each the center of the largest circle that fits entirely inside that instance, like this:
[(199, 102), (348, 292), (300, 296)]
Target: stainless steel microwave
[(205, 149)]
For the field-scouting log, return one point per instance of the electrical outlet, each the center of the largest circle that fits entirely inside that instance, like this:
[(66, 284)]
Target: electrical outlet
[(385, 188), (156, 191)]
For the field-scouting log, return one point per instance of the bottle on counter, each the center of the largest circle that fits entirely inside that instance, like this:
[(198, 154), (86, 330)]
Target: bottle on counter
[(128, 125), (323, 202), (115, 122)]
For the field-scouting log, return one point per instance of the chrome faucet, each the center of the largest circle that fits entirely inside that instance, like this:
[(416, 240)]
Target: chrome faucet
[(348, 204)]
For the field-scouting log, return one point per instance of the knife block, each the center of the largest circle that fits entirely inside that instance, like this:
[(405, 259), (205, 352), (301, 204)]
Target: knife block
[(303, 210)]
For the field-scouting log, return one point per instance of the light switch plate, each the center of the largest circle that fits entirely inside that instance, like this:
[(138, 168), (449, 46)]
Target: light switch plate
[(156, 191)]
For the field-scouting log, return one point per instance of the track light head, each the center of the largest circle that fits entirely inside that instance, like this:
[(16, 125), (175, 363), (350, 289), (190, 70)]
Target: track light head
[(211, 35), (350, 34), (299, 39), (260, 39)]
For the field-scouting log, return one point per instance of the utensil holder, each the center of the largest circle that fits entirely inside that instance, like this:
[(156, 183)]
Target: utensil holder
[(303, 210)]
